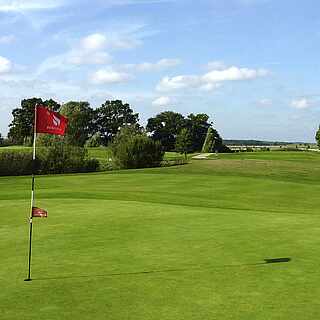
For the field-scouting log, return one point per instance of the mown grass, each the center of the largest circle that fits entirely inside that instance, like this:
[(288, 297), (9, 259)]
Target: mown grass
[(185, 242)]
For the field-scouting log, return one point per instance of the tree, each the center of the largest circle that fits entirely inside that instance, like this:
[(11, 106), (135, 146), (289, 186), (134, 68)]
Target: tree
[(21, 127), (132, 149), (1, 140), (214, 142), (318, 137), (165, 127), (198, 126), (111, 117), (80, 122), (184, 142)]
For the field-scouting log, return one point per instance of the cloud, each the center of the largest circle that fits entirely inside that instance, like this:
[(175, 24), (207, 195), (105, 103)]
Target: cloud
[(178, 82), (93, 42), (106, 76), (161, 102), (82, 57), (210, 80), (302, 103), (156, 66), (92, 49), (216, 65), (28, 5), (110, 40), (5, 65), (7, 39), (234, 74)]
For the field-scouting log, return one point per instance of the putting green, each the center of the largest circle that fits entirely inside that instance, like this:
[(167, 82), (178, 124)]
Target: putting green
[(185, 242)]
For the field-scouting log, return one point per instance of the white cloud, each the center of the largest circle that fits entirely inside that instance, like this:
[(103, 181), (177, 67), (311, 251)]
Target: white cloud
[(210, 80), (28, 5), (106, 76), (159, 65), (80, 57), (302, 103), (93, 42), (7, 39), (153, 66), (161, 102), (111, 40), (234, 74), (178, 82), (5, 65), (89, 50), (216, 65)]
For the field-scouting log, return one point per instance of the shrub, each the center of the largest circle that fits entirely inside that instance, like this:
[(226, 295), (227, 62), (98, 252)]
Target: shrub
[(15, 163), (134, 150), (91, 165), (58, 158), (64, 158)]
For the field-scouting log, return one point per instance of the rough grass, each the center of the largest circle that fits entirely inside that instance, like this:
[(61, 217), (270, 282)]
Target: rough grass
[(184, 242)]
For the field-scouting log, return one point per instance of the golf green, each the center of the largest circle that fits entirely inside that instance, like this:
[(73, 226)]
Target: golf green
[(185, 242)]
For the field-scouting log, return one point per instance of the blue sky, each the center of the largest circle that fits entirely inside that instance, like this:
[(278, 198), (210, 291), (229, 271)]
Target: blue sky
[(252, 65)]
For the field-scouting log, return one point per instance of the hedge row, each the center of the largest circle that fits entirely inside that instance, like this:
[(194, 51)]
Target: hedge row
[(58, 159)]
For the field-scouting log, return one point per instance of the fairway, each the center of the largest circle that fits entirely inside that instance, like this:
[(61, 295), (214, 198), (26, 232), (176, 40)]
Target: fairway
[(184, 242)]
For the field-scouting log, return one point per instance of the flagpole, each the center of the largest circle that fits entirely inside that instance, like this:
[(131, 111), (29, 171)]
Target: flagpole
[(32, 190)]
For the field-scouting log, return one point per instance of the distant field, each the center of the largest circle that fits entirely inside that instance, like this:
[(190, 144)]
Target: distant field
[(185, 242), (16, 148), (100, 153), (271, 155)]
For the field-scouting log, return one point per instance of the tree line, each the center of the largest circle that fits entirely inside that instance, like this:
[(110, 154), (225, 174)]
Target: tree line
[(100, 126)]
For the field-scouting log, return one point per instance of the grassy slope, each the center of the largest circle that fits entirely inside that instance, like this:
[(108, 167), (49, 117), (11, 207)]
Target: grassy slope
[(171, 243)]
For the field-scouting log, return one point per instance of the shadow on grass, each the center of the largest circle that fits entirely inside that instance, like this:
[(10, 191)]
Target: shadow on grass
[(189, 269)]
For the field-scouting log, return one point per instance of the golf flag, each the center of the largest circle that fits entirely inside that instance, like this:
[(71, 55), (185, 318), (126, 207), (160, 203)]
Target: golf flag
[(39, 213), (48, 121)]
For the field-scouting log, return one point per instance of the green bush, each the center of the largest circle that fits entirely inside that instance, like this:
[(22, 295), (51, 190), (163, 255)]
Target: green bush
[(134, 150), (64, 158), (91, 165), (15, 163), (58, 158)]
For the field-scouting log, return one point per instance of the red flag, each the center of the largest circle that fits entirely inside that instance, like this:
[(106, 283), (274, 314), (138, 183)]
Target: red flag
[(50, 122), (39, 213)]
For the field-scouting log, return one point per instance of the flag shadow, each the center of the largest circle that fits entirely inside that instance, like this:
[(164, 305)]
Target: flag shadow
[(189, 269)]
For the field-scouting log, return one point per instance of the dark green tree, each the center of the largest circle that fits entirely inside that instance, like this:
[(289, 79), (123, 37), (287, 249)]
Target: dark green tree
[(80, 122), (111, 117), (21, 127), (318, 137), (1, 140), (165, 127), (198, 126), (184, 142), (132, 149)]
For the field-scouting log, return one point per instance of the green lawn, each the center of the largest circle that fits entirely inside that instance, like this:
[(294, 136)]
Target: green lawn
[(185, 242)]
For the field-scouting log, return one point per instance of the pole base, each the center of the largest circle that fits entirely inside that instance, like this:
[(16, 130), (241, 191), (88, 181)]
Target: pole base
[(28, 279)]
